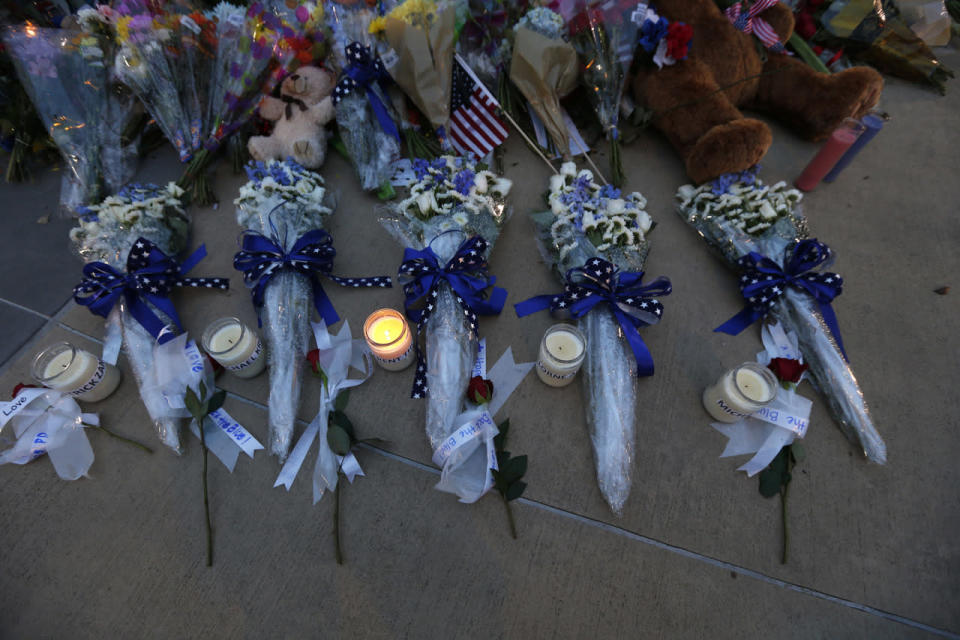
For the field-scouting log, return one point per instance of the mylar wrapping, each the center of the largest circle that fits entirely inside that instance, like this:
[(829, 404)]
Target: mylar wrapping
[(783, 225)]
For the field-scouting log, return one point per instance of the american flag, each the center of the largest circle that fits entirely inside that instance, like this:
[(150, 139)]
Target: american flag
[(474, 126)]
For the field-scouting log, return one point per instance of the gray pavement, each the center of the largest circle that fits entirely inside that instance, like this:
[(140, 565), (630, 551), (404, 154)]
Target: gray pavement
[(874, 550)]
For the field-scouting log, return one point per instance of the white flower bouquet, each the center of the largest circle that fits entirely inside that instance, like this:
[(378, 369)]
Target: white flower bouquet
[(596, 237), (762, 230), (449, 223)]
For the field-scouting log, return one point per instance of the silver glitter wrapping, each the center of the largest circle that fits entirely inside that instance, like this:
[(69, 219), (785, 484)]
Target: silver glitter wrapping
[(832, 375), (371, 149), (286, 312)]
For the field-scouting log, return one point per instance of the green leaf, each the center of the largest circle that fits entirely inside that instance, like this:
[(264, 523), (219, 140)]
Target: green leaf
[(799, 453), (500, 440), (595, 238), (216, 401), (515, 490), (769, 483), (338, 440), (203, 391), (340, 404), (193, 404), (340, 419), (517, 466)]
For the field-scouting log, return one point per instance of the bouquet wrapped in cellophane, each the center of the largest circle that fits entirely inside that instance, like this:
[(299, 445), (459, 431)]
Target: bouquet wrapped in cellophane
[(762, 230), (596, 238), (605, 36), (129, 242), (366, 119), (284, 249), (448, 224), (64, 74)]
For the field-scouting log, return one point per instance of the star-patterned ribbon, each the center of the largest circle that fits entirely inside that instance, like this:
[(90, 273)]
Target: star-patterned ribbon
[(633, 303), (763, 282), (150, 276), (748, 22), (260, 258), (365, 72), (466, 273)]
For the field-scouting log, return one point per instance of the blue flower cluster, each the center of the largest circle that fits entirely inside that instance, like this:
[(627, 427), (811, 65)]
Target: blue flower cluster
[(284, 173), (434, 173), (722, 184), (583, 194), (86, 214), (137, 192), (651, 33)]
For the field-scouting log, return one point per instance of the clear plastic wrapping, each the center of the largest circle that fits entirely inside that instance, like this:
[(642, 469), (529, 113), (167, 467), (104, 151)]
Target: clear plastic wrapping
[(799, 312), (372, 150)]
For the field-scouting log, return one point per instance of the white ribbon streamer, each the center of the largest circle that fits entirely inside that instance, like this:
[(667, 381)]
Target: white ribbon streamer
[(45, 421), (466, 470), (179, 364), (337, 355), (779, 423), (113, 336)]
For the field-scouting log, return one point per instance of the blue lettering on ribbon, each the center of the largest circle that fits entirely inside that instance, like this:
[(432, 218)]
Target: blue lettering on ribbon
[(633, 303)]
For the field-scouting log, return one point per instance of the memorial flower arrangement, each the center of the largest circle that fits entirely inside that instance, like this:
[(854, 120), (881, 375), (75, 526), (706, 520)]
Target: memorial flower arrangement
[(597, 239), (129, 243), (284, 252), (448, 224), (762, 230)]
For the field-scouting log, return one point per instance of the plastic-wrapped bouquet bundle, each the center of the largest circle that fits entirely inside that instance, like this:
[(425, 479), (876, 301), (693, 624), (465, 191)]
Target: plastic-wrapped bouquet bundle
[(605, 36), (365, 118), (761, 229), (449, 223), (596, 237), (65, 76), (129, 242), (283, 251), (544, 68)]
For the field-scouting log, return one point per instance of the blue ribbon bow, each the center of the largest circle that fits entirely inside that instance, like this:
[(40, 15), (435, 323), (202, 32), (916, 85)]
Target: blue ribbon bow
[(260, 258), (150, 276), (763, 282), (633, 303), (466, 273), (365, 72)]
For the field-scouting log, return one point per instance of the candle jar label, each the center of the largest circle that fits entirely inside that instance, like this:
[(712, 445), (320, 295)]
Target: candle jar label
[(249, 361), (556, 376), (94, 380)]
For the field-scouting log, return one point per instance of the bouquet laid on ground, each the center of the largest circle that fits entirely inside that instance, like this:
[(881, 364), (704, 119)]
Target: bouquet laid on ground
[(544, 68), (762, 230), (129, 242), (597, 239), (284, 252), (365, 117), (448, 224), (605, 36), (69, 84)]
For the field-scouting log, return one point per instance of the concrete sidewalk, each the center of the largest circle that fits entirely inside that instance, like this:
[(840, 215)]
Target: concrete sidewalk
[(874, 550)]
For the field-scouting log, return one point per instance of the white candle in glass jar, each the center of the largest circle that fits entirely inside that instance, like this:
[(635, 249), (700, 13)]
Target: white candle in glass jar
[(237, 348), (740, 392), (561, 353), (76, 372), (389, 338)]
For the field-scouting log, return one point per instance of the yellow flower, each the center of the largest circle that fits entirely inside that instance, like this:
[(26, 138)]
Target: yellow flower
[(415, 11), (377, 24), (123, 28)]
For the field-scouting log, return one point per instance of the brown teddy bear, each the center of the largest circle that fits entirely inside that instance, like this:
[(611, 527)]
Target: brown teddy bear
[(705, 125), (300, 117)]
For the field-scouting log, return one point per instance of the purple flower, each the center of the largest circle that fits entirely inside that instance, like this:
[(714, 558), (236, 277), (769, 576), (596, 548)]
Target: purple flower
[(463, 181), (259, 49), (302, 14), (420, 168), (609, 191), (235, 70)]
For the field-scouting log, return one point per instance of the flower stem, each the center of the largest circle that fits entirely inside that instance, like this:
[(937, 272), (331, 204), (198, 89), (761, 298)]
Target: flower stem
[(513, 524), (616, 164), (118, 436), (783, 521), (206, 499), (336, 523)]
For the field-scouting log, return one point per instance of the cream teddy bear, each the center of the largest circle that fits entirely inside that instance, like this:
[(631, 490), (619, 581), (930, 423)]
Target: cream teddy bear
[(300, 116)]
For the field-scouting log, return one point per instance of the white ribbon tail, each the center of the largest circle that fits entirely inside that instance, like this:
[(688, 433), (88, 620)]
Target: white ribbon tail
[(236, 432), (295, 460), (217, 442), (113, 336), (350, 467), (506, 375)]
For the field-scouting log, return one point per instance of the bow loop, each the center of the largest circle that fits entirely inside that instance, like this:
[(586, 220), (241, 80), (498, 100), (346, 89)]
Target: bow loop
[(599, 282), (150, 277), (260, 258), (365, 72), (466, 273), (763, 283)]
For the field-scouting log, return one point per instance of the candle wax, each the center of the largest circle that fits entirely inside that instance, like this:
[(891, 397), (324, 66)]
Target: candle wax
[(753, 386), (563, 345), (385, 330), (226, 338)]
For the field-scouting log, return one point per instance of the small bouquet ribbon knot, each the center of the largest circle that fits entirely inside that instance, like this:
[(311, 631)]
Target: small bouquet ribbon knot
[(150, 277), (763, 283), (466, 273), (260, 258), (364, 73), (633, 303)]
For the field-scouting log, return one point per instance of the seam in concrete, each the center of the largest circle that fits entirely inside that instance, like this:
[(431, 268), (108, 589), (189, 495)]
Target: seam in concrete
[(25, 309)]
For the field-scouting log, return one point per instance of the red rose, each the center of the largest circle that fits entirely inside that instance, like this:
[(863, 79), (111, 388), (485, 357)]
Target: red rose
[(479, 391), (20, 387), (313, 357), (787, 370), (679, 36), (805, 25)]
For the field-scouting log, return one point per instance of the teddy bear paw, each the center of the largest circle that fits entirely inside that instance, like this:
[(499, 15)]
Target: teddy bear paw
[(728, 148)]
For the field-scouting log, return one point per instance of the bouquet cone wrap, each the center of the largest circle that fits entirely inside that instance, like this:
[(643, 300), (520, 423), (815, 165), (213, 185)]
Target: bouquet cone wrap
[(798, 311)]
